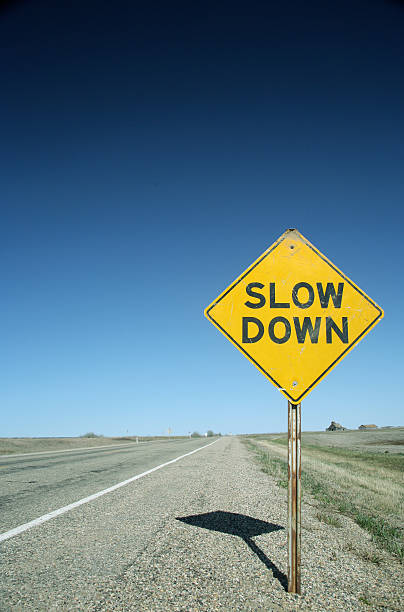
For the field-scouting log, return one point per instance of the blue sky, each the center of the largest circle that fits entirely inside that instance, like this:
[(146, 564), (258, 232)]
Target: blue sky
[(149, 154)]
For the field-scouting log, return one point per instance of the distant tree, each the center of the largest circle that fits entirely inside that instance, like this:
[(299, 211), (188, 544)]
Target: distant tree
[(210, 433), (195, 434), (90, 434)]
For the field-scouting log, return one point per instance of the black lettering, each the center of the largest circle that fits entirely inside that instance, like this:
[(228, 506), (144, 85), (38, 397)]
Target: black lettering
[(272, 299), (271, 330), (331, 325), (330, 292), (254, 294), (296, 300), (246, 337), (301, 330)]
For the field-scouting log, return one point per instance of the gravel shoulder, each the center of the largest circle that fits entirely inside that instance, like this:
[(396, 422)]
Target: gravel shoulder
[(129, 551)]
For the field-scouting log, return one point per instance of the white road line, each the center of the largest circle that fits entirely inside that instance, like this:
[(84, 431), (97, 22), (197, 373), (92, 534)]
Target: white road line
[(47, 517), (68, 450)]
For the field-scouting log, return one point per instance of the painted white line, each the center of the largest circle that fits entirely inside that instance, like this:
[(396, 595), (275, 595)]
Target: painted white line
[(47, 517), (68, 450)]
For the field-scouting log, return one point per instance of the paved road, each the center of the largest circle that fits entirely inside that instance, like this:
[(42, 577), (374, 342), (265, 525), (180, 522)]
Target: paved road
[(206, 533), (34, 485)]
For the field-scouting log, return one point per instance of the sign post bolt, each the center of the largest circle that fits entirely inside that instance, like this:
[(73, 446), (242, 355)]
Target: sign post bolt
[(294, 496)]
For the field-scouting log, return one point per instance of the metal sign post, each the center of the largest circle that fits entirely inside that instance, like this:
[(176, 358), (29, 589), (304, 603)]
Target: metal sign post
[(294, 496)]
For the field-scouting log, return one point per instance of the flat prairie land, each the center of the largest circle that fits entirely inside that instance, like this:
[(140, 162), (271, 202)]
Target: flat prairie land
[(359, 474), (11, 446), (390, 439)]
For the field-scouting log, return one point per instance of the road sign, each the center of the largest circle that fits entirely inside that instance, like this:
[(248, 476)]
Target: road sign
[(294, 315)]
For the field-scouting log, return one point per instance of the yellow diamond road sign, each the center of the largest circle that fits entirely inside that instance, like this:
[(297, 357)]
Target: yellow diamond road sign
[(294, 315)]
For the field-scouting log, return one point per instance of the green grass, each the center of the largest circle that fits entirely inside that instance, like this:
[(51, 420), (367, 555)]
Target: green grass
[(275, 467), (366, 487), (329, 519)]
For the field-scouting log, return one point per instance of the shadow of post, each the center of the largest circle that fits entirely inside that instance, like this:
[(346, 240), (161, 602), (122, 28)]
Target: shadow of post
[(240, 525), (276, 572)]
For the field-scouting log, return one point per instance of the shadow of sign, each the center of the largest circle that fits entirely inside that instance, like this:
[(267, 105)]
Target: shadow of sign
[(240, 525)]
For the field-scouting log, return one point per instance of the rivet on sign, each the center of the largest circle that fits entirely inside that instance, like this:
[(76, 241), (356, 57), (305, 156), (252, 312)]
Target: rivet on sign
[(294, 383)]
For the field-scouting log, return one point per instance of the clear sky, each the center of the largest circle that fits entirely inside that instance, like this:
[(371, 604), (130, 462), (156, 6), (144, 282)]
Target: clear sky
[(149, 153)]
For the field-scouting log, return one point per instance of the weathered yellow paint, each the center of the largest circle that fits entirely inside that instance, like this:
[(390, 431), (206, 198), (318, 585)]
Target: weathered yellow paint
[(294, 367)]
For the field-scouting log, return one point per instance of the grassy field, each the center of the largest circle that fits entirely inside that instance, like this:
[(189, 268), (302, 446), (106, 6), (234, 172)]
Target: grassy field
[(359, 474), (10, 446)]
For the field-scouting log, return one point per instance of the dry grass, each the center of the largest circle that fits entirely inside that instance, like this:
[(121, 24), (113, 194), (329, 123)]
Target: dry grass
[(384, 439), (11, 446), (366, 485)]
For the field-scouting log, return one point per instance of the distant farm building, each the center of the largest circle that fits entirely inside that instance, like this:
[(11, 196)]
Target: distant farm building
[(367, 427), (334, 426)]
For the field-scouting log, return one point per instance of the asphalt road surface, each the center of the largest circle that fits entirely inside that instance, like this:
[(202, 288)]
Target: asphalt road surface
[(35, 484), (204, 533)]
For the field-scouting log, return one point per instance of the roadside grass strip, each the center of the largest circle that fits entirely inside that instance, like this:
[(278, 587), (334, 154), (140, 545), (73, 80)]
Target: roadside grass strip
[(366, 487), (47, 517), (11, 454)]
